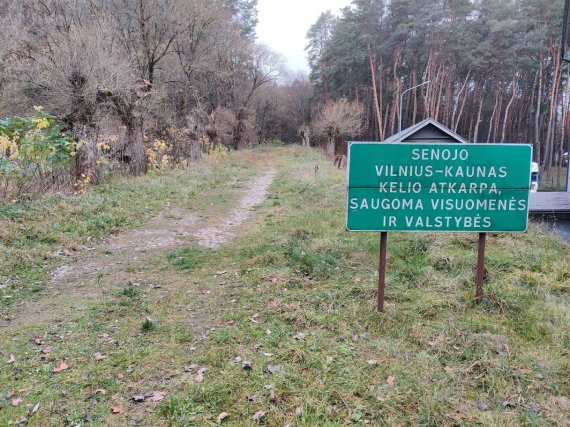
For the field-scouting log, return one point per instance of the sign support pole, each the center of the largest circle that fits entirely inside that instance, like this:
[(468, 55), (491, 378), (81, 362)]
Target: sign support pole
[(480, 277), (382, 270)]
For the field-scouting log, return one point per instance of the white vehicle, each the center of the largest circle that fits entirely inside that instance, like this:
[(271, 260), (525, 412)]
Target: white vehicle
[(534, 177)]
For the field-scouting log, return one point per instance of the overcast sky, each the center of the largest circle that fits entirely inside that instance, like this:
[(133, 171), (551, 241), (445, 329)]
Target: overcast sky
[(283, 25)]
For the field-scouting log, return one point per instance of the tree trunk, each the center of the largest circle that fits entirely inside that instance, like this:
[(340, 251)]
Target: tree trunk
[(565, 103), (331, 147), (194, 134), (86, 156), (305, 138), (135, 140), (454, 118), (195, 150), (498, 116), (537, 144), (372, 62), (493, 115), (476, 132), (238, 134), (439, 92), (415, 109), (556, 74), (514, 92)]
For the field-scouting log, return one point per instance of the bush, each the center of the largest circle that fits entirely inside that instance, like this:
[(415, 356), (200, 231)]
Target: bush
[(36, 155)]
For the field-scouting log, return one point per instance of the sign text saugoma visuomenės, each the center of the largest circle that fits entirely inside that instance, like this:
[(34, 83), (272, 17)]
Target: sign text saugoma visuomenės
[(438, 187)]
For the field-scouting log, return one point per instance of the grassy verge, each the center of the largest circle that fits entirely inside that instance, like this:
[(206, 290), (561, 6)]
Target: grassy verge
[(37, 237), (281, 326)]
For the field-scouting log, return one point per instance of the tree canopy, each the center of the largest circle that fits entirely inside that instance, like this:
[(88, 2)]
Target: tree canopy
[(494, 67)]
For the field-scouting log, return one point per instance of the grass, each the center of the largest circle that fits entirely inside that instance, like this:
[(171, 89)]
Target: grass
[(294, 296), (33, 235), (551, 183)]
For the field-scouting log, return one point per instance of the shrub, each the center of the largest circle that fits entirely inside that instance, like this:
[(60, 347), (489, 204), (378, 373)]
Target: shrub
[(36, 155)]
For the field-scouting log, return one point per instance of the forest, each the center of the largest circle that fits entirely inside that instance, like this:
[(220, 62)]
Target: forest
[(494, 68), (94, 88)]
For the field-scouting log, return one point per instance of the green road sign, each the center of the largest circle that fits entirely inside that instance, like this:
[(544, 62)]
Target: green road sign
[(438, 187)]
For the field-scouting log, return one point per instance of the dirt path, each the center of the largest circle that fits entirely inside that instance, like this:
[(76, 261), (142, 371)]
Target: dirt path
[(216, 235), (126, 256)]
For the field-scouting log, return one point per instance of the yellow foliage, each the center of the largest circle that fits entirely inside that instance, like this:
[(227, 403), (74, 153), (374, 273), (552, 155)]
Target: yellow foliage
[(157, 159), (41, 123), (105, 144), (81, 184), (214, 151), (219, 152), (8, 147)]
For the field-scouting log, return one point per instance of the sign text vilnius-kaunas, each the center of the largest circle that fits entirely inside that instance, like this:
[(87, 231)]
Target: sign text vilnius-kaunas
[(438, 187)]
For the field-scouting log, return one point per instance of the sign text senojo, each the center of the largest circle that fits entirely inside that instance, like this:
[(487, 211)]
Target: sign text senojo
[(438, 187)]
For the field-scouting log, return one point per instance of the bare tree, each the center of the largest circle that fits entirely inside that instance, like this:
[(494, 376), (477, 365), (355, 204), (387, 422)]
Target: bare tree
[(156, 67), (336, 119), (49, 65), (145, 31), (259, 66)]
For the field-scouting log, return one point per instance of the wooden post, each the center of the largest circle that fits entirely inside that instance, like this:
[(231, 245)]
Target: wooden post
[(480, 277), (382, 270)]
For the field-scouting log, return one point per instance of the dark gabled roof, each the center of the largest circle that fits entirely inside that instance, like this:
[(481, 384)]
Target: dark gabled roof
[(427, 130)]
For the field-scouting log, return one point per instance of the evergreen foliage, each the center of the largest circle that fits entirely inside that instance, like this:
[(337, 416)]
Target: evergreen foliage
[(493, 65)]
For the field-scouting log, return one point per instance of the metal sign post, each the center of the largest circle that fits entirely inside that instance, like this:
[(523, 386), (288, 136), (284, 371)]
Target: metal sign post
[(480, 275), (382, 270)]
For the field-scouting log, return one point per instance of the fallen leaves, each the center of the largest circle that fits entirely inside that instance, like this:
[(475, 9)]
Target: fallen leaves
[(47, 350), (191, 367), (62, 367), (118, 409), (258, 415), (273, 279), (273, 369), (34, 409), (157, 396), (300, 336), (11, 359), (222, 417), (16, 401), (153, 396), (200, 375), (99, 356), (139, 397), (482, 406), (509, 404), (333, 410), (101, 391), (391, 380)]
